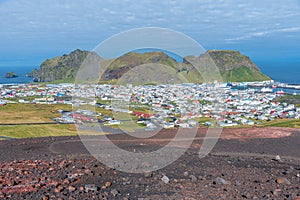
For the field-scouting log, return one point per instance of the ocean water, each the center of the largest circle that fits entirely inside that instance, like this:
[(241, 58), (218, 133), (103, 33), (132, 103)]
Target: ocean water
[(20, 71), (285, 72)]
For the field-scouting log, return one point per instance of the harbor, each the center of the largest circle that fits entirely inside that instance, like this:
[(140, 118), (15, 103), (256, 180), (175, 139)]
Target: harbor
[(269, 87)]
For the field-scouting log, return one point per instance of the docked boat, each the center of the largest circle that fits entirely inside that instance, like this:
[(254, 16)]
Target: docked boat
[(266, 90), (280, 92)]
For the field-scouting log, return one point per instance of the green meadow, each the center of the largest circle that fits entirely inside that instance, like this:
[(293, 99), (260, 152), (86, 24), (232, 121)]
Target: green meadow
[(18, 114)]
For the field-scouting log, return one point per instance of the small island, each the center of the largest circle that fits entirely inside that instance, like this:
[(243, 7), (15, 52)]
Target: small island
[(11, 75)]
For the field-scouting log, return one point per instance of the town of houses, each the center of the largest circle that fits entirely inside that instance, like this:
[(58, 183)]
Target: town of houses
[(167, 106)]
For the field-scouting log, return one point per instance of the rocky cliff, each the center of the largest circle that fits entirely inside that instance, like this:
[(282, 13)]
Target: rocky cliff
[(227, 65), (64, 67)]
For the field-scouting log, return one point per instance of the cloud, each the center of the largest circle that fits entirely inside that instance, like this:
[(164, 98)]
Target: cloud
[(54, 23), (264, 33)]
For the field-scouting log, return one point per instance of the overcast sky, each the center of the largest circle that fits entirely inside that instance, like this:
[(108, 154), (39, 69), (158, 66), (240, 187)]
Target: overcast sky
[(33, 30)]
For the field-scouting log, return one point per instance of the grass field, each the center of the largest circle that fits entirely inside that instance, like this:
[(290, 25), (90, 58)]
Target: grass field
[(204, 119), (33, 113), (32, 131), (30, 113), (129, 126), (38, 113), (288, 123), (291, 123)]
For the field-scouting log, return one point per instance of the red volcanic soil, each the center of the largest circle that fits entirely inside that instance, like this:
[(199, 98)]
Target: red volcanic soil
[(242, 165), (246, 133)]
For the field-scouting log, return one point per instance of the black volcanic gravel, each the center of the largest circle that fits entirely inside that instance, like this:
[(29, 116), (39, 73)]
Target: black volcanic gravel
[(61, 168)]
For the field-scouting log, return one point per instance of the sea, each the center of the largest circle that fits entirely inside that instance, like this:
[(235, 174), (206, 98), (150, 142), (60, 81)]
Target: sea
[(288, 72), (21, 71), (284, 72)]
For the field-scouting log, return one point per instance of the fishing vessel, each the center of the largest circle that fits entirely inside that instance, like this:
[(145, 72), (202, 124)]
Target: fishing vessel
[(280, 92)]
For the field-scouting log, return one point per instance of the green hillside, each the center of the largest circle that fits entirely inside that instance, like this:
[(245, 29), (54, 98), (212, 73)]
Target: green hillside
[(153, 67), (64, 68)]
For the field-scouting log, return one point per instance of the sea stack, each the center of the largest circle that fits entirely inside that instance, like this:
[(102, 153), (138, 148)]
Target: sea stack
[(10, 75)]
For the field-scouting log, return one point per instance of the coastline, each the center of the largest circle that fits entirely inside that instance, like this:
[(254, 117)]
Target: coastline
[(280, 71)]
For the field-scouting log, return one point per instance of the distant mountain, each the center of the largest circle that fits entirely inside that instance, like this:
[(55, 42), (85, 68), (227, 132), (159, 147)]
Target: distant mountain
[(65, 67), (234, 66), (150, 67), (149, 64)]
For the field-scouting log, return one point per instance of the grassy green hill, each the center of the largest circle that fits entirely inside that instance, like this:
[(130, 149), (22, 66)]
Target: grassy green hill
[(64, 68), (153, 67)]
